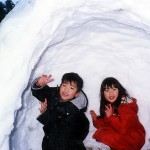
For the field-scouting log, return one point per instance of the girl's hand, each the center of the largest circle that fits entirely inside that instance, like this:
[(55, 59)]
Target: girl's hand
[(44, 79), (108, 110), (93, 115), (43, 106)]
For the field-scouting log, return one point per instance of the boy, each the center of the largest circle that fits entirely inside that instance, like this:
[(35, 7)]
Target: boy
[(65, 124)]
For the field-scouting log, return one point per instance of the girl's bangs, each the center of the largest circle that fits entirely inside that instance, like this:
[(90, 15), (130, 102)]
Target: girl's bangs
[(109, 84)]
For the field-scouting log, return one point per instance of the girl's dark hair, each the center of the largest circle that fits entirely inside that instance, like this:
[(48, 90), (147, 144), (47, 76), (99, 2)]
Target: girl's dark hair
[(73, 77), (109, 82)]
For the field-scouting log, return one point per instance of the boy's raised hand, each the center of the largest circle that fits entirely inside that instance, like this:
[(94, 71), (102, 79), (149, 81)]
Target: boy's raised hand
[(44, 79), (93, 115)]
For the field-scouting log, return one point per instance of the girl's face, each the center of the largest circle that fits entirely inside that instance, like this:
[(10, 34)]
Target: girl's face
[(111, 94), (68, 91)]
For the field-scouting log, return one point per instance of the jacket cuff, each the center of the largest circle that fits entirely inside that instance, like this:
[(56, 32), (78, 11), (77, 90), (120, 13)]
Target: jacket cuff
[(34, 86)]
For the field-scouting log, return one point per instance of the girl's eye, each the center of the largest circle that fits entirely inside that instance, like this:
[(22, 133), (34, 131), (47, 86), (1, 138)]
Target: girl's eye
[(106, 90)]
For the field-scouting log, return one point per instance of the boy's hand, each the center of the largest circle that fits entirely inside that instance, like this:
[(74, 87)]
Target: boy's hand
[(43, 106), (108, 110), (44, 79), (93, 115)]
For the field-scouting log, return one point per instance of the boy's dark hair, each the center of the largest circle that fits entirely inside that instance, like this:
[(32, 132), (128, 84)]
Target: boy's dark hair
[(109, 82), (73, 77)]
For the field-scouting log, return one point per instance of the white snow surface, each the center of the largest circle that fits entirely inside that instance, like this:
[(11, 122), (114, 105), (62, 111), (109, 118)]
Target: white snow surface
[(95, 38)]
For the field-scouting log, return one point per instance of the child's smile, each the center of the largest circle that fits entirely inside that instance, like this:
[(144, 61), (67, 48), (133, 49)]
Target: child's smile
[(68, 91), (111, 94)]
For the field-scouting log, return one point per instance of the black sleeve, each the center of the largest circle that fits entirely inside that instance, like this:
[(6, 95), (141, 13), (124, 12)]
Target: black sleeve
[(50, 93), (80, 125), (40, 93)]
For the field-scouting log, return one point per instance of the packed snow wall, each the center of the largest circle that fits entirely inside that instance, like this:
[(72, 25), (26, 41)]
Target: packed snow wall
[(87, 37)]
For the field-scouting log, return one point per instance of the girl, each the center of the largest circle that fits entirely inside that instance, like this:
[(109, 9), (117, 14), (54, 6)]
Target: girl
[(118, 125)]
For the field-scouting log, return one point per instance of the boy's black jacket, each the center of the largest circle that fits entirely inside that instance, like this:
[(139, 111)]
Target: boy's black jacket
[(63, 122)]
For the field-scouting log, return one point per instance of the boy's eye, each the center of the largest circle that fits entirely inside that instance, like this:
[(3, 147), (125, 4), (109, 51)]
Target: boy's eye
[(63, 84)]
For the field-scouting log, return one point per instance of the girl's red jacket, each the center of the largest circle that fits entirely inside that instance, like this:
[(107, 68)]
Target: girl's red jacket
[(123, 131)]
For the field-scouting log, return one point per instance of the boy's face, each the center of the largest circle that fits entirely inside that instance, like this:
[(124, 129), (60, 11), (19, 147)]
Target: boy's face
[(68, 90)]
